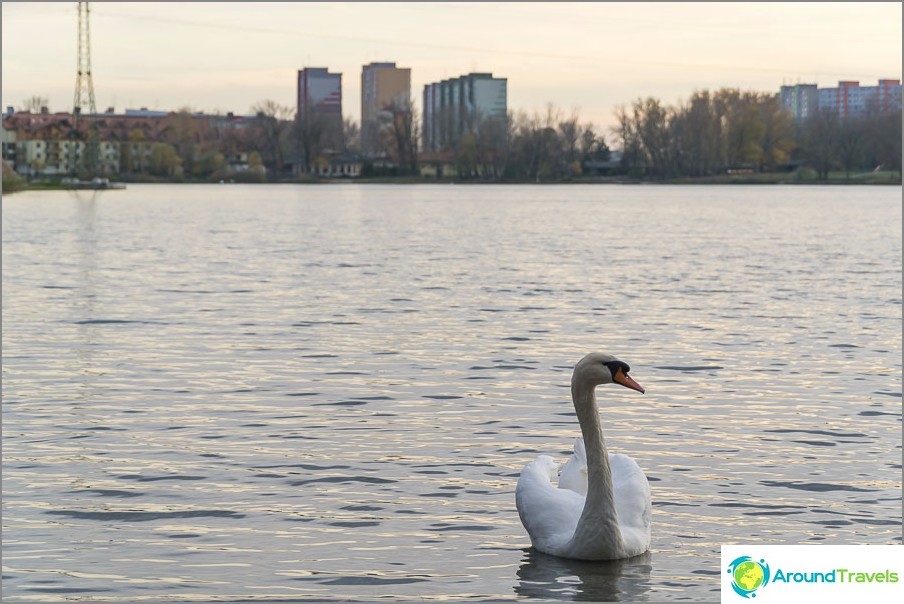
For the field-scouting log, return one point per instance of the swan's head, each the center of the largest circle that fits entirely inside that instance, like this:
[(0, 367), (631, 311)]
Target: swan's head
[(599, 368)]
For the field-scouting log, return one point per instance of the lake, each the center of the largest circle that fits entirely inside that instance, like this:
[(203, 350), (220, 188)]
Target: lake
[(287, 393)]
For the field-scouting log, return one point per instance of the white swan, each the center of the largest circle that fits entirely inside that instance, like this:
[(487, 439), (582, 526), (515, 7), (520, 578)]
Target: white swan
[(601, 508)]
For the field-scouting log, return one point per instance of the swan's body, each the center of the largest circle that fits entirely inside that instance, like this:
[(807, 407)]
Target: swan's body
[(601, 508)]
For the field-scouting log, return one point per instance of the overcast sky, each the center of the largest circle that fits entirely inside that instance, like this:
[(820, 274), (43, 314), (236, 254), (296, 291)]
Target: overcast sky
[(584, 57)]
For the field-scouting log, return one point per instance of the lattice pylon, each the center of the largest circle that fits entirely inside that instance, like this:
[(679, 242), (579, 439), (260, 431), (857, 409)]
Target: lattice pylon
[(84, 85)]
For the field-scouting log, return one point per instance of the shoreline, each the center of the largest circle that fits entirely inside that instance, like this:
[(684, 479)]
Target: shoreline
[(835, 179)]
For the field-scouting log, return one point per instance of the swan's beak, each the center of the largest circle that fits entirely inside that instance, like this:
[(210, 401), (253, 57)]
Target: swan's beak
[(625, 380)]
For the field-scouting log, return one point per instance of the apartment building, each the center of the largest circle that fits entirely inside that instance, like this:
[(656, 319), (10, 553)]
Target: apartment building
[(848, 99), (320, 98), (458, 105), (802, 100), (385, 90), (47, 144)]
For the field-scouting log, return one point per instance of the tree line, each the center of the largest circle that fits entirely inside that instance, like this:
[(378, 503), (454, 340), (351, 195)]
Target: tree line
[(730, 129), (522, 146), (707, 135)]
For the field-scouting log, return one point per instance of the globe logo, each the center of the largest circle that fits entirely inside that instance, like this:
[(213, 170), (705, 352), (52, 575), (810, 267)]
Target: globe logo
[(748, 575)]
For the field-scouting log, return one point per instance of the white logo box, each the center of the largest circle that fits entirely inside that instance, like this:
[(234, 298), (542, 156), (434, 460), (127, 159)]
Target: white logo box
[(775, 574)]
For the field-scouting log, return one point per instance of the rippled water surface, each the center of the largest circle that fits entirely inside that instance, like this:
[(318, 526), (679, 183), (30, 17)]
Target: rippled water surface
[(327, 392)]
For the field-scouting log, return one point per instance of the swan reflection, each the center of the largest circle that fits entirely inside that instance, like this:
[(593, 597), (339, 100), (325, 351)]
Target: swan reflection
[(553, 578)]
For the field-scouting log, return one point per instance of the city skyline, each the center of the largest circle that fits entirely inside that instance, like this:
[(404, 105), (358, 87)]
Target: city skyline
[(583, 57)]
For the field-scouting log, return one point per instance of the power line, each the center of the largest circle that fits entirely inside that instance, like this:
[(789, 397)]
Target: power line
[(471, 49)]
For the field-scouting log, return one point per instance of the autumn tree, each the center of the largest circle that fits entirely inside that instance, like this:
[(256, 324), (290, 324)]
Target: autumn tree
[(777, 134), (183, 133), (165, 161)]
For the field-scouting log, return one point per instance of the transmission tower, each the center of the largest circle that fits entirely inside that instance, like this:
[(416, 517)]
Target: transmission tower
[(84, 90), (84, 85)]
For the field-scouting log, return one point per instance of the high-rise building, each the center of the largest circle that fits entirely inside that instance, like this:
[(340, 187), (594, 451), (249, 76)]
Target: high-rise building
[(458, 105), (848, 99), (889, 95), (802, 100), (385, 92), (845, 100), (320, 98)]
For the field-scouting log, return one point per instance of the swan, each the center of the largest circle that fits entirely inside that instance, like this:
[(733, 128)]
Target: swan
[(601, 508)]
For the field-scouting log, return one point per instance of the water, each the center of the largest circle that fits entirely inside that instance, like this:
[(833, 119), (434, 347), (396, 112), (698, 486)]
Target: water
[(272, 393)]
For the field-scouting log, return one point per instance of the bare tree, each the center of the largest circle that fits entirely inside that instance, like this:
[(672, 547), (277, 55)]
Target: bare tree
[(821, 132), (399, 134), (270, 131), (851, 145), (570, 134), (34, 104), (626, 133), (492, 145), (351, 135)]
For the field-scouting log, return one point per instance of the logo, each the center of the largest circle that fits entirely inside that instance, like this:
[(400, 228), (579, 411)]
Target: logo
[(748, 575)]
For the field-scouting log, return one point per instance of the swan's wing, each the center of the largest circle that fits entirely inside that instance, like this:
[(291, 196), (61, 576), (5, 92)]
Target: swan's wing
[(574, 473), (549, 514), (632, 502)]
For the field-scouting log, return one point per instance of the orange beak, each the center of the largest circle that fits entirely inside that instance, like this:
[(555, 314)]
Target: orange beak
[(622, 378)]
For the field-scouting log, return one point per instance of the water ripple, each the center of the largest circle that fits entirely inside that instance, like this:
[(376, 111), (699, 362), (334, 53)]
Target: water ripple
[(237, 393)]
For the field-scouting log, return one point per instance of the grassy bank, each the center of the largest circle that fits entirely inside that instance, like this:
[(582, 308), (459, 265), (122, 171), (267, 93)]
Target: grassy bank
[(13, 183)]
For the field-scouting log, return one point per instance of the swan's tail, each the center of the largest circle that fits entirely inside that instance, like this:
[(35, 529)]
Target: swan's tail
[(573, 475)]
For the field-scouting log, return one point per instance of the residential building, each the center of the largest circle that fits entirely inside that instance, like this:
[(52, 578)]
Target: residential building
[(385, 93), (459, 105), (889, 96), (848, 99), (48, 144), (320, 99), (802, 100)]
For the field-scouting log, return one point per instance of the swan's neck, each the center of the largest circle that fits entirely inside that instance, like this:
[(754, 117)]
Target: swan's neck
[(598, 526)]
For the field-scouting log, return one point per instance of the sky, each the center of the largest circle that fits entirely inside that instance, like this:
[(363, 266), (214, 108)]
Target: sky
[(583, 58)]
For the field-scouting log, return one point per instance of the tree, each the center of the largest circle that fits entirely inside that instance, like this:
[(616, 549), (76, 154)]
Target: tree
[(183, 133), (700, 135), (399, 134), (744, 130), (851, 145), (311, 134), (569, 135), (651, 122), (882, 132), (466, 156), (821, 142), (211, 163), (131, 152), (777, 139), (35, 104), (165, 161), (625, 131), (593, 146), (256, 165), (271, 132), (536, 149), (351, 135), (492, 145)]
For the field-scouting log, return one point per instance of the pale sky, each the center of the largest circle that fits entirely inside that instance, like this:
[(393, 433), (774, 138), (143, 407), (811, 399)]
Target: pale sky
[(587, 58)]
